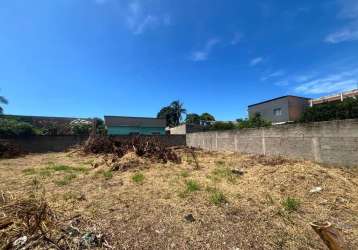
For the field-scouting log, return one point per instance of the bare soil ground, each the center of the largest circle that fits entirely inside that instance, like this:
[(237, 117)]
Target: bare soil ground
[(265, 205)]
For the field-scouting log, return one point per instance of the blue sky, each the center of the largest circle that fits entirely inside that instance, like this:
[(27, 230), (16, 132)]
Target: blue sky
[(89, 58)]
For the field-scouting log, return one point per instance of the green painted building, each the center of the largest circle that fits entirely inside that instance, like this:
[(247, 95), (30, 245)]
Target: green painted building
[(121, 125)]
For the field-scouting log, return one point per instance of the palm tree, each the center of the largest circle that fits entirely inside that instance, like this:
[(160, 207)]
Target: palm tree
[(3, 100), (178, 110)]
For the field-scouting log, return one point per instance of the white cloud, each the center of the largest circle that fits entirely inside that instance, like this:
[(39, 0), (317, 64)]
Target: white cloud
[(139, 16), (139, 19), (237, 38), (256, 61), (277, 73), (333, 83), (344, 35), (203, 54), (348, 11)]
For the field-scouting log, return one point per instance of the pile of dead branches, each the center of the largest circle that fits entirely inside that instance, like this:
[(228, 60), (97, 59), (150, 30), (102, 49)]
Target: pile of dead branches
[(30, 223), (149, 148), (9, 150)]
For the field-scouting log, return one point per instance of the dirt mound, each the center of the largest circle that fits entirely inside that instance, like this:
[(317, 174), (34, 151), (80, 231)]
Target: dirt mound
[(149, 148), (9, 150)]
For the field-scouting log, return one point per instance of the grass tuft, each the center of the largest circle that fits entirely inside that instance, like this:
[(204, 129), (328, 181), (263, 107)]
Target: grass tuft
[(107, 174), (222, 172), (217, 197), (29, 171), (63, 168), (291, 204), (184, 174), (138, 178), (66, 180), (192, 186)]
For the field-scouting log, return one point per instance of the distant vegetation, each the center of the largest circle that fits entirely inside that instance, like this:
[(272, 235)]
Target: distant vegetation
[(10, 127), (203, 119), (15, 127), (348, 109), (252, 122)]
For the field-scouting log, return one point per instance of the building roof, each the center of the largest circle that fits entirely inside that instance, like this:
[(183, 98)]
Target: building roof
[(277, 98), (118, 121)]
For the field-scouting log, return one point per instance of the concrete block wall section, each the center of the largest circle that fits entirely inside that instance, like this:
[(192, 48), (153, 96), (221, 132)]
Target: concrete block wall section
[(332, 142), (43, 144)]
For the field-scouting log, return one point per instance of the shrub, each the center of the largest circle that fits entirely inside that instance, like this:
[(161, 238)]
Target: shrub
[(80, 127), (10, 127), (291, 204), (348, 109)]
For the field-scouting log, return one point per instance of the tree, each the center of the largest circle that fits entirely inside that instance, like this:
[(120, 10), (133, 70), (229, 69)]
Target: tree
[(3, 100), (192, 119), (172, 113), (223, 126), (178, 110), (167, 114), (206, 117)]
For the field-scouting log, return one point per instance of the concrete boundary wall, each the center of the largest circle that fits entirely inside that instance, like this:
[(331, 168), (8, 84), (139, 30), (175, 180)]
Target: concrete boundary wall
[(332, 142), (44, 144)]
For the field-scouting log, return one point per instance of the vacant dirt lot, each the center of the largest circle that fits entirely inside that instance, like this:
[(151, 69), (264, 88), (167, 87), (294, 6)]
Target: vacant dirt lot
[(231, 202)]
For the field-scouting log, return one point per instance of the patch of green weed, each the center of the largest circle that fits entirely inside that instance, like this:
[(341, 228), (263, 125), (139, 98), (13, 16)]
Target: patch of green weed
[(291, 204), (29, 171), (138, 178), (216, 197), (184, 174), (107, 174), (192, 186), (223, 172), (66, 180)]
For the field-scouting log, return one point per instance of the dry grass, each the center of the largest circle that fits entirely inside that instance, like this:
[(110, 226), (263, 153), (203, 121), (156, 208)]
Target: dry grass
[(268, 207)]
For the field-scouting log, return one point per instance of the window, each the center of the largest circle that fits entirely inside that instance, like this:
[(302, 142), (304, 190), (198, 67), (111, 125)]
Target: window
[(277, 112)]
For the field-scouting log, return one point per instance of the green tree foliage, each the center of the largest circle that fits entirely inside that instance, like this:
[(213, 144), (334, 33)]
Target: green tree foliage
[(172, 113), (100, 126), (192, 119), (223, 126), (3, 100), (12, 127), (80, 127), (348, 109), (253, 122), (167, 114), (206, 117)]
